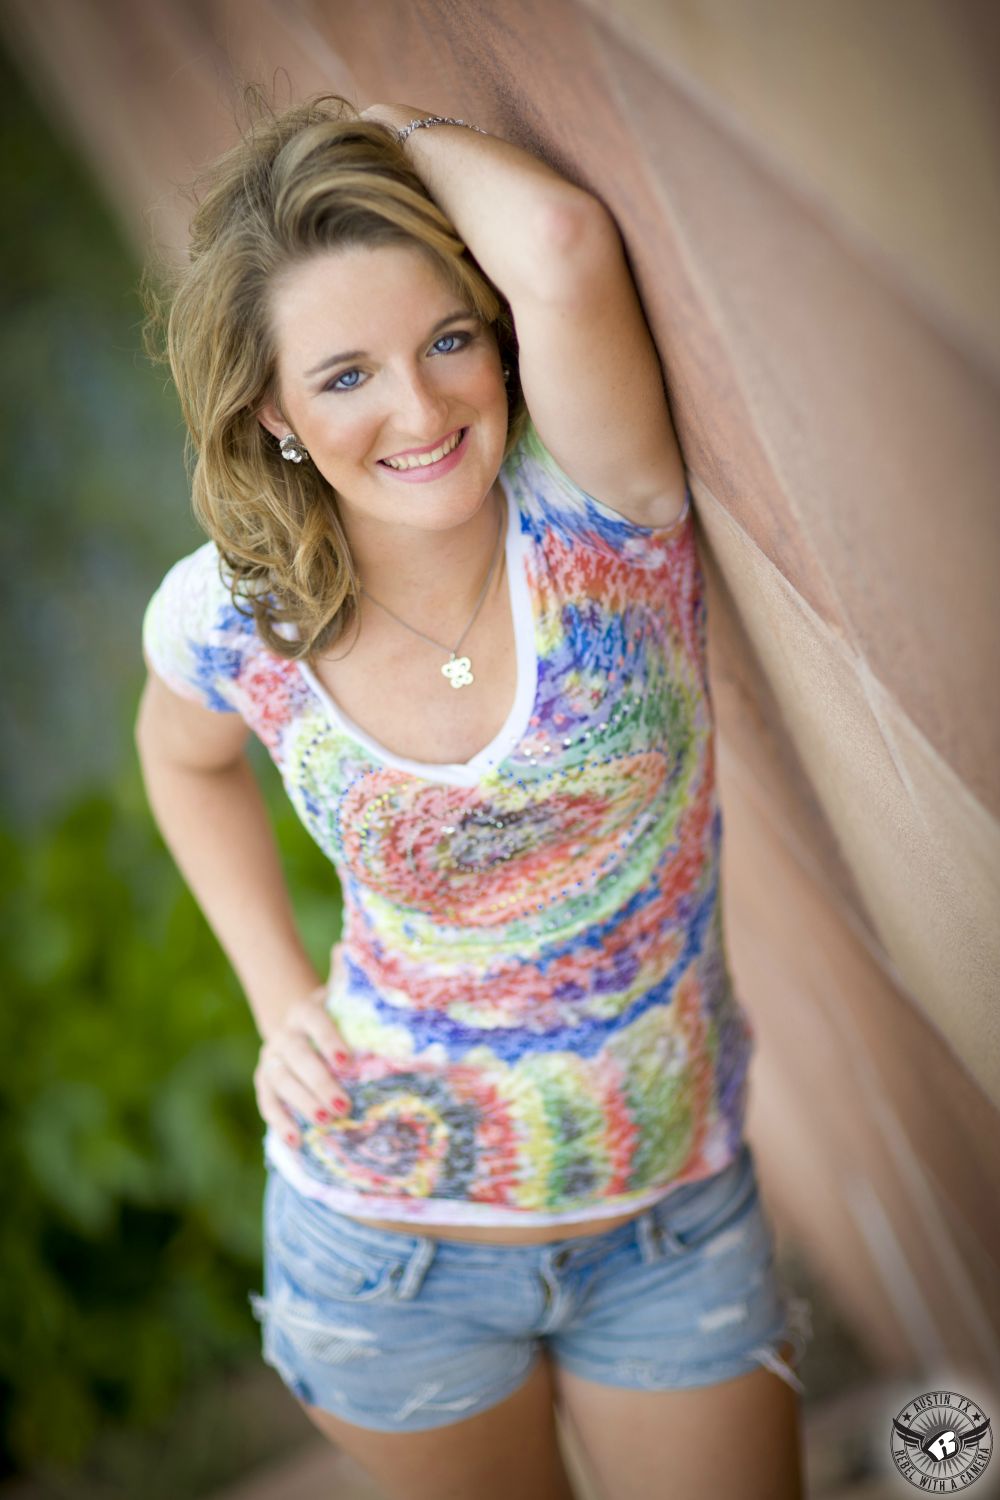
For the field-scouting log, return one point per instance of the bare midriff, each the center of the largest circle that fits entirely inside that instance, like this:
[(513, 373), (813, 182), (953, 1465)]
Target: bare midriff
[(495, 1235)]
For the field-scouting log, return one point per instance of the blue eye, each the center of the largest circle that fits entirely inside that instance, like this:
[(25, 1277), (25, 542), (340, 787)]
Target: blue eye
[(335, 386), (463, 338)]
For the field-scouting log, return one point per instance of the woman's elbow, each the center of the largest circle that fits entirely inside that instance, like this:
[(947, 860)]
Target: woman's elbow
[(577, 237)]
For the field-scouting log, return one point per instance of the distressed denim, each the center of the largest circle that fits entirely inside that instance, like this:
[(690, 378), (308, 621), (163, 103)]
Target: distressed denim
[(399, 1332)]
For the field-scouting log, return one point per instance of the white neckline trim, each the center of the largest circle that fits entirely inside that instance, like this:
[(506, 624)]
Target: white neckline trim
[(468, 773)]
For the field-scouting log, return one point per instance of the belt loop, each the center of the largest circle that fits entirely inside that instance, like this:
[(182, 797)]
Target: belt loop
[(648, 1236), (656, 1241), (409, 1276)]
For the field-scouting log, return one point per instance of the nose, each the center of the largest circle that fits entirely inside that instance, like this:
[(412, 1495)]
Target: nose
[(422, 409)]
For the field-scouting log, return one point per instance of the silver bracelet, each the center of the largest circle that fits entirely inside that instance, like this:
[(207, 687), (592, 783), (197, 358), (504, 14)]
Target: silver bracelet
[(434, 120)]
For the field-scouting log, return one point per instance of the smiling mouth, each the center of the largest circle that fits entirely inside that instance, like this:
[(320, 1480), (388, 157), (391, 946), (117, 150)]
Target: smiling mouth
[(426, 460)]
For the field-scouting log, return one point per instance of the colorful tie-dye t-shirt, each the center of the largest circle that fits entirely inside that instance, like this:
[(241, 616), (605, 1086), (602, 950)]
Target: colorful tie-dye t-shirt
[(534, 987)]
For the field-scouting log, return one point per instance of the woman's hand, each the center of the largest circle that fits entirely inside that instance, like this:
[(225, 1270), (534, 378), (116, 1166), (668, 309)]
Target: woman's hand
[(299, 1063)]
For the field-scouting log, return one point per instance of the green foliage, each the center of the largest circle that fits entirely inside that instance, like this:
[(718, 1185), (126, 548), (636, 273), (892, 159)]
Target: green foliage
[(132, 1158), (131, 1149)]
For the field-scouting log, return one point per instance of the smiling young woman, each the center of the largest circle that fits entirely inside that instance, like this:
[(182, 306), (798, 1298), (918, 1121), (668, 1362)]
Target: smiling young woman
[(451, 583)]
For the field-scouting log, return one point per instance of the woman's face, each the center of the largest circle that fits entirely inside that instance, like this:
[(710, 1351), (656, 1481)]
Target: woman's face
[(376, 356)]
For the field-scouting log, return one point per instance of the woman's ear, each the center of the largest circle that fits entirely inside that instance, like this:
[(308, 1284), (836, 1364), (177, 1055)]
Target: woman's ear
[(269, 416)]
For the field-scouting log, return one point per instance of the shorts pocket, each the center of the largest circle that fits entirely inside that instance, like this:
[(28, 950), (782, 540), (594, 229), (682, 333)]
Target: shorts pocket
[(308, 1243), (696, 1212)]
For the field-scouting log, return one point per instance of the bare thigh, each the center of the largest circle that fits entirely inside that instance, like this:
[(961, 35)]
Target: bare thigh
[(740, 1437), (511, 1449)]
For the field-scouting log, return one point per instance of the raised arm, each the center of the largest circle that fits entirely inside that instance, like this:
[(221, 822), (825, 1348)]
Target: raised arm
[(504, 202), (588, 366)]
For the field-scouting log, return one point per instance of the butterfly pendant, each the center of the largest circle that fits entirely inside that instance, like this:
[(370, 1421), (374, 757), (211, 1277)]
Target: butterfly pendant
[(458, 671)]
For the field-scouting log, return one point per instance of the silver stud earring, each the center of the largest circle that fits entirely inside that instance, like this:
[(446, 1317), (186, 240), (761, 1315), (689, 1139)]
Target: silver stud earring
[(506, 372), (292, 449)]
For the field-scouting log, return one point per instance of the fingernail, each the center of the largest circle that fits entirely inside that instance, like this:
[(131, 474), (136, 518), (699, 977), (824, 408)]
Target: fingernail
[(292, 1140), (321, 1114), (341, 1058), (340, 1105)]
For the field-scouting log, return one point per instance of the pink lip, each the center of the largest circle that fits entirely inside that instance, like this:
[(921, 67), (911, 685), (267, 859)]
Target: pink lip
[(431, 471), (416, 452)]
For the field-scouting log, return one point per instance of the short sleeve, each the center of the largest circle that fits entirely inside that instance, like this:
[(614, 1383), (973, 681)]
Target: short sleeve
[(192, 634), (558, 503)]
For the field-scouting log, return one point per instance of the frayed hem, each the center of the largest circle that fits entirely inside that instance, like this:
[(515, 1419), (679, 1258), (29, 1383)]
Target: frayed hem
[(797, 1331)]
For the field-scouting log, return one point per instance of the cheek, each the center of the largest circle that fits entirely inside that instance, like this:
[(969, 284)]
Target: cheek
[(487, 384), (346, 431)]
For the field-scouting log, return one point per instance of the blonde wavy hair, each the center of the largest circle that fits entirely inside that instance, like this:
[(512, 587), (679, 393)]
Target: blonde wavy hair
[(300, 182)]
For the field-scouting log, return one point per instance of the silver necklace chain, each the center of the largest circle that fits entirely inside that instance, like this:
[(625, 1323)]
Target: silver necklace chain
[(458, 669)]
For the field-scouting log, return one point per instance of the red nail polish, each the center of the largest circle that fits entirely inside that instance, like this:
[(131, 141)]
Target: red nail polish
[(321, 1114), (292, 1140), (341, 1058), (340, 1105)]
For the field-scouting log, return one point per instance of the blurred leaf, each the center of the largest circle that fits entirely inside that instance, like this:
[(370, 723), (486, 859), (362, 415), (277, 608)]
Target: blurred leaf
[(131, 1158)]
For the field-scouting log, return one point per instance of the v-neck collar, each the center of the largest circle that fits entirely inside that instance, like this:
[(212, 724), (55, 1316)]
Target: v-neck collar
[(471, 772)]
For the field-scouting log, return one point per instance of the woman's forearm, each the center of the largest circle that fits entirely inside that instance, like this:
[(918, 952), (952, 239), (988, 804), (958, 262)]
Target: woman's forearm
[(498, 197), (216, 826)]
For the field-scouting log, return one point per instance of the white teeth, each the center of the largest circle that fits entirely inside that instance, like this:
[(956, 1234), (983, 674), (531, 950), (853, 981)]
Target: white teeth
[(422, 461)]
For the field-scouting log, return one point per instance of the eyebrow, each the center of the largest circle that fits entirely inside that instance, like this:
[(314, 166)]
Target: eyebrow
[(336, 359)]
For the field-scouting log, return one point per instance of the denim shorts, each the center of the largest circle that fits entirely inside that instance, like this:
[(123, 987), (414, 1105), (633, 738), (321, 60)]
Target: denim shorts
[(400, 1332)]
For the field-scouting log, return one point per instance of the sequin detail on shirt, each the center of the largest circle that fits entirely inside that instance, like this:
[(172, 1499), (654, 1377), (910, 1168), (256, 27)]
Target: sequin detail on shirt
[(535, 989)]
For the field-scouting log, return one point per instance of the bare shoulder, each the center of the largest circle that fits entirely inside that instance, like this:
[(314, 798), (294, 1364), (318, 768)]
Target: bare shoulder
[(591, 374)]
